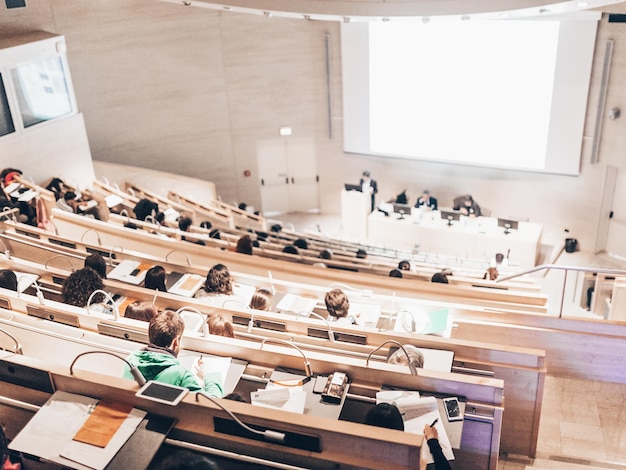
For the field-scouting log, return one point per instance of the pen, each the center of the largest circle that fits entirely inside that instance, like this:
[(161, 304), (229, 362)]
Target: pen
[(434, 422)]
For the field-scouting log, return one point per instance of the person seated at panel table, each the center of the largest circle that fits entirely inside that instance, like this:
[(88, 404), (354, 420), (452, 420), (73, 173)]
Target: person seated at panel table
[(402, 198), (8, 280), (155, 279), (219, 325), (158, 361), (338, 307), (468, 207), (426, 201), (143, 311)]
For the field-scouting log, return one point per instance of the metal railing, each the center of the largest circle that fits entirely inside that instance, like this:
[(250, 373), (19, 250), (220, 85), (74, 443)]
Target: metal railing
[(566, 269)]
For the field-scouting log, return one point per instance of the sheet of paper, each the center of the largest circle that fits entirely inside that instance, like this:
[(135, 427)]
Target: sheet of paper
[(187, 285), (365, 314), (290, 399), (218, 364), (418, 412), (296, 304), (129, 271)]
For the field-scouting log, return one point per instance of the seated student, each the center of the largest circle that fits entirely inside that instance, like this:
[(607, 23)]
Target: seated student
[(468, 206), (338, 307), (431, 435), (8, 279), (261, 299), (326, 254), (290, 249), (301, 243), (143, 311), (415, 356), (145, 208), (361, 253), (79, 286), (155, 279), (426, 201), (404, 265), (439, 277), (158, 361), (395, 273), (96, 262), (218, 286), (385, 415), (491, 274), (219, 325), (244, 245), (184, 223)]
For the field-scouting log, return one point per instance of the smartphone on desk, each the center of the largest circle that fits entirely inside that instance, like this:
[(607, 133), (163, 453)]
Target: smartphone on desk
[(453, 409)]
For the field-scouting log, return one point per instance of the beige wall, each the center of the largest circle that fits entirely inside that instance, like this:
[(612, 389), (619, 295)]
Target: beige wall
[(191, 91)]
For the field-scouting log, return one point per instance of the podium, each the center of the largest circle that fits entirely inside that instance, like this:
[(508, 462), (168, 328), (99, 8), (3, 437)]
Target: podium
[(355, 209)]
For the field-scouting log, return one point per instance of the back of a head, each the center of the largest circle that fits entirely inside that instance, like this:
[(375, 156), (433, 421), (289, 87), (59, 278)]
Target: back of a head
[(69, 196), (184, 223), (164, 328), (79, 286), (385, 415), (206, 224), (220, 325), (361, 253), (8, 279), (395, 273), (301, 243), (439, 277), (415, 356), (187, 460), (218, 280), (404, 265), (244, 245), (155, 279), (366, 174), (337, 303), (290, 249), (144, 208), (96, 262), (326, 254), (261, 299), (144, 311)]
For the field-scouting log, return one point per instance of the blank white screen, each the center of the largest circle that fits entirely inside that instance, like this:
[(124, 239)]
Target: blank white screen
[(503, 94)]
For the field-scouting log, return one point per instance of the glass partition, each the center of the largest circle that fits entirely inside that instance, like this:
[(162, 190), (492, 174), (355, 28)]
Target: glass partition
[(42, 91), (6, 121)]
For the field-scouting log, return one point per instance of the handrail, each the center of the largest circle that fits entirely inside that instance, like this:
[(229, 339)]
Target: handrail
[(541, 267)]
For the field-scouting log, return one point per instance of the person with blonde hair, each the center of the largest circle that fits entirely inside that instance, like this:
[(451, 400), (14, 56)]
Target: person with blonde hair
[(415, 356), (219, 325), (261, 299)]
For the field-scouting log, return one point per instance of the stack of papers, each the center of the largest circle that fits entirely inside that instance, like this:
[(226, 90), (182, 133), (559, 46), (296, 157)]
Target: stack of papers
[(187, 285), (132, 272), (274, 396)]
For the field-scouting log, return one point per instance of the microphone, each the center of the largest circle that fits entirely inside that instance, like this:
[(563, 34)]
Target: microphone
[(18, 346), (269, 273), (116, 312), (178, 251), (268, 434), (205, 325), (91, 230), (307, 365), (331, 335), (69, 261), (136, 373), (412, 367), (111, 253), (33, 282)]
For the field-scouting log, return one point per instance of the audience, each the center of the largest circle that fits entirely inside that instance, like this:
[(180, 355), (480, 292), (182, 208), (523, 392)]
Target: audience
[(158, 361), (385, 415), (290, 249), (218, 285), (404, 265), (244, 245), (96, 262), (79, 286), (219, 325), (439, 277), (361, 253), (338, 307), (143, 311), (491, 274), (145, 208), (326, 254), (415, 356), (155, 279), (301, 243), (395, 273), (8, 279), (261, 299)]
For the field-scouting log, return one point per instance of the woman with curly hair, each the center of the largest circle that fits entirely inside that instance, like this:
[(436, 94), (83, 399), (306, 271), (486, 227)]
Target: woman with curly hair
[(218, 287), (79, 286)]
